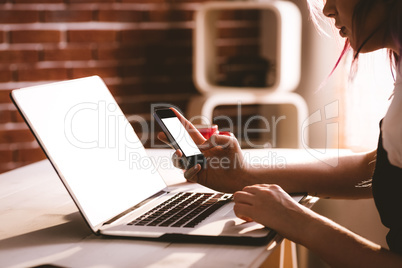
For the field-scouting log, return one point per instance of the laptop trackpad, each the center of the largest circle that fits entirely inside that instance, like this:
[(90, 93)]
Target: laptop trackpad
[(227, 211)]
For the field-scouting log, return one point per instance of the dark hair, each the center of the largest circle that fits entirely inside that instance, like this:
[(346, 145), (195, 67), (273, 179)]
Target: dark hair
[(392, 24)]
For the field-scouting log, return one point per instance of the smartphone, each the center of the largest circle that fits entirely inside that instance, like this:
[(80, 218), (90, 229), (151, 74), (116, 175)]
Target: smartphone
[(179, 137)]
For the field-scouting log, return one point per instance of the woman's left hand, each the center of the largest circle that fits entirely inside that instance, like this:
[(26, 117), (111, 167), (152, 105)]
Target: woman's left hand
[(272, 207)]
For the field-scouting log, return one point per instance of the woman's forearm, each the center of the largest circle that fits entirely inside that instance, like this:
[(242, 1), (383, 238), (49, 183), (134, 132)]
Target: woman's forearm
[(319, 178), (340, 247), (336, 245)]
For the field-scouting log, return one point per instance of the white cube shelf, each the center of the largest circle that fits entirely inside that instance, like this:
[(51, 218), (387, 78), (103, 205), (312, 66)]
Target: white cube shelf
[(200, 110), (280, 40)]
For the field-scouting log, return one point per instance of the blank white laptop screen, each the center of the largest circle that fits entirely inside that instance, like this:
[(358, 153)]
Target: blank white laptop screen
[(69, 119)]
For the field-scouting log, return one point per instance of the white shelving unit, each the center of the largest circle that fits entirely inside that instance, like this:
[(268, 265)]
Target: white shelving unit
[(280, 41)]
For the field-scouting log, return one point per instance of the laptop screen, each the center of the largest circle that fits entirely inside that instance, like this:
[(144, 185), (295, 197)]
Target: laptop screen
[(91, 145)]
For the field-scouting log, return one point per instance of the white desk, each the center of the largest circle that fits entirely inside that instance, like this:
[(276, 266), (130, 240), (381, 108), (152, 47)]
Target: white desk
[(39, 224)]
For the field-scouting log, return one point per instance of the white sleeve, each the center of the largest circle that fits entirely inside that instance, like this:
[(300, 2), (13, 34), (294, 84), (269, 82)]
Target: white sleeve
[(392, 128)]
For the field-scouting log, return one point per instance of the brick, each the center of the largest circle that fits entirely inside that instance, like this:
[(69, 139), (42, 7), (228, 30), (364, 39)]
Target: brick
[(18, 16), (42, 74), (149, 52), (144, 106), (103, 72), (119, 53), (6, 156), (16, 136), (5, 167), (5, 96), (5, 116), (148, 86), (67, 54), (10, 116), (134, 36), (16, 117), (120, 15), (90, 1), (133, 70), (157, 52), (156, 15), (19, 56), (38, 1), (35, 36), (167, 15), (155, 36), (140, 1), (92, 36), (2, 34), (68, 15), (29, 155), (6, 76), (137, 108), (171, 70), (181, 15)]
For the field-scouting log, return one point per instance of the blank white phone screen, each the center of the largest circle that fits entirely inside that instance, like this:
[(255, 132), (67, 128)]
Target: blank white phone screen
[(181, 136)]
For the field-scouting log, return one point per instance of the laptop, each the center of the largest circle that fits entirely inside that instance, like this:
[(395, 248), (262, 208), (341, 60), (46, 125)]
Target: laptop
[(100, 160)]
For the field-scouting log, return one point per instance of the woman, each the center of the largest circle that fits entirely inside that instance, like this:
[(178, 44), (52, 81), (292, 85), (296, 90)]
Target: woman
[(367, 25)]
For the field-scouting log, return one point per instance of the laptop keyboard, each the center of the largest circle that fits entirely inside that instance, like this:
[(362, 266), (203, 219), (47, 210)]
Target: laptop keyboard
[(183, 210)]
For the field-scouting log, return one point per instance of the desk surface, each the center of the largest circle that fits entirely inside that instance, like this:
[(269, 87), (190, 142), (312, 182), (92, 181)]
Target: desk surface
[(40, 224)]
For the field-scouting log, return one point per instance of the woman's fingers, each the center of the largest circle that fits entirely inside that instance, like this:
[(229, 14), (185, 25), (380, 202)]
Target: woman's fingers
[(194, 133), (177, 156), (243, 197), (241, 211), (177, 159), (191, 174), (243, 205), (162, 137), (221, 141), (258, 188), (192, 130)]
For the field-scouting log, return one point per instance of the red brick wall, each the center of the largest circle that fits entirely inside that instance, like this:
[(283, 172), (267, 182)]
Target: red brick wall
[(141, 48)]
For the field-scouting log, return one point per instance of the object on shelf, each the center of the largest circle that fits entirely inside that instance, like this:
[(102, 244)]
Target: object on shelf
[(245, 71)]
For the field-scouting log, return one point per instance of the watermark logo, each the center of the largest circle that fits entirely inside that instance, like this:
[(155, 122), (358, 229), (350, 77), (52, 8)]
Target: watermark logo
[(103, 126), (331, 111)]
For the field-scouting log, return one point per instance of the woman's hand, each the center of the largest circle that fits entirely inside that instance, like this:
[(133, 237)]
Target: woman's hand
[(225, 170), (272, 207)]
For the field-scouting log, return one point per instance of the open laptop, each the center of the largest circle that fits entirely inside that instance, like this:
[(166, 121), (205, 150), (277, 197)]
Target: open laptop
[(98, 156)]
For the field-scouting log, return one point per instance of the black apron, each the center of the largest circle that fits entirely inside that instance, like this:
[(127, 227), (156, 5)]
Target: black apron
[(387, 193)]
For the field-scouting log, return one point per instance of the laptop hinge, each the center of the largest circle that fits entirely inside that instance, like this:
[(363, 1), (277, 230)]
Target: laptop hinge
[(158, 194)]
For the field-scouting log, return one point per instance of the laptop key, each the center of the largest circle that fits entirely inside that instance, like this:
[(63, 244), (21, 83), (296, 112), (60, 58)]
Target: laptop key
[(205, 214), (183, 209)]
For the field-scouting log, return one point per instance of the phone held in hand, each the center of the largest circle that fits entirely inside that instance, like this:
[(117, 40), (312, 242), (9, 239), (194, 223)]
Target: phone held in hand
[(179, 137)]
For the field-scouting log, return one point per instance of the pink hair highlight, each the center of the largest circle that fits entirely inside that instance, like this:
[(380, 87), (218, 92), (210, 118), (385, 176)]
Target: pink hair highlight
[(394, 28)]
